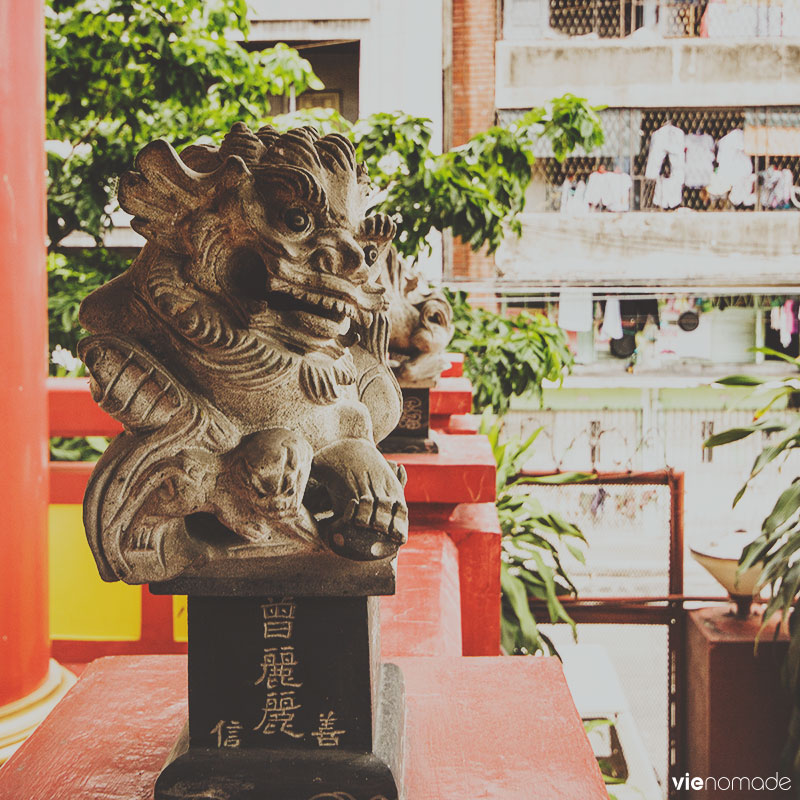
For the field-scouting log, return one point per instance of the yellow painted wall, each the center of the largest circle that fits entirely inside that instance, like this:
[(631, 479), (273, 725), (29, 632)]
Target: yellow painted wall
[(180, 618), (82, 606)]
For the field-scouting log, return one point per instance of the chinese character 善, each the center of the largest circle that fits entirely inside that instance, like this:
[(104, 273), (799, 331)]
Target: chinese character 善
[(327, 735)]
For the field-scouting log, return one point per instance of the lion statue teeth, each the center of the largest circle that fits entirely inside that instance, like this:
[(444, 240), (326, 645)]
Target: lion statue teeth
[(245, 353)]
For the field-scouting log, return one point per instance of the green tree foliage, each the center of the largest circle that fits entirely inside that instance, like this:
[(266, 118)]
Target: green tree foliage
[(507, 357), (123, 72), (475, 191), (119, 74)]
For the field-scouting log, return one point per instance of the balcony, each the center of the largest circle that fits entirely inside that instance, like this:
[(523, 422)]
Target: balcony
[(707, 19), (647, 70), (724, 251), (655, 160)]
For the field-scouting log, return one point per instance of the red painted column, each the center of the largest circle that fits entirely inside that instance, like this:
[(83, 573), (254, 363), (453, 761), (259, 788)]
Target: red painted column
[(24, 634)]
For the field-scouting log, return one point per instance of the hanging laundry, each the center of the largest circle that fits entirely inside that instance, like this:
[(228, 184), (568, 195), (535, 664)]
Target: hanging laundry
[(618, 197), (597, 187), (609, 191), (597, 501), (776, 188), (775, 318), (612, 320), (699, 160), (573, 198), (788, 324), (736, 168), (575, 310), (666, 165)]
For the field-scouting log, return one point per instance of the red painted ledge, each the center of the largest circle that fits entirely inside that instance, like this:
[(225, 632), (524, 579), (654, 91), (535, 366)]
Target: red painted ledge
[(456, 424), (463, 471), (73, 412), (490, 728), (456, 368), (451, 396)]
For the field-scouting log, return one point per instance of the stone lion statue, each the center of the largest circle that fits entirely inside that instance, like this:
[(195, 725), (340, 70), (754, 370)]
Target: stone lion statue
[(245, 353), (421, 322)]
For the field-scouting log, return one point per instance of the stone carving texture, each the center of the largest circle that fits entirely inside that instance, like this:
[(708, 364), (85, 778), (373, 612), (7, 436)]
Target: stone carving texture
[(421, 323), (245, 352)]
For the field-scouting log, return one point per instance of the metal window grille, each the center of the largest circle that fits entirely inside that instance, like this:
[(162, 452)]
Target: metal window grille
[(723, 159), (713, 19)]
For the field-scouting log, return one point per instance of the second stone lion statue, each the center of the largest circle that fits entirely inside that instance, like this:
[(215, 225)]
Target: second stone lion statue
[(245, 352)]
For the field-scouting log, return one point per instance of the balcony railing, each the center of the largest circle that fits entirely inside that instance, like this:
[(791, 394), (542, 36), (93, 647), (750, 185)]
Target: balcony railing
[(744, 159), (712, 19)]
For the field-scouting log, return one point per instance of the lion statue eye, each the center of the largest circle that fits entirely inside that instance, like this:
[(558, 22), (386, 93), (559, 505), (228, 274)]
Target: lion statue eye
[(370, 254), (296, 219)]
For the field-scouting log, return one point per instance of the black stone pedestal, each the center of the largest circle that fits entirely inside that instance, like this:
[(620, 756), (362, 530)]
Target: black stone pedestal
[(413, 431), (287, 701)]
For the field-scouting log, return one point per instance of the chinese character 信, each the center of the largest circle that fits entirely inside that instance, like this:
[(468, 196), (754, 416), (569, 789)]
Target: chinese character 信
[(326, 735), (278, 618), (279, 712), (277, 667), (227, 733)]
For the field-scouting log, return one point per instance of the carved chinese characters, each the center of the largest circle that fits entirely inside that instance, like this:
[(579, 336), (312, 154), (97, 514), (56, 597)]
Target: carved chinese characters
[(245, 352), (278, 671), (289, 673)]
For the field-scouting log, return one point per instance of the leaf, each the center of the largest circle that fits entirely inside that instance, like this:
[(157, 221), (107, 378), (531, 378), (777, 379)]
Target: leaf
[(740, 380), (577, 554), (590, 725), (731, 435), (559, 478), (98, 443), (768, 351), (786, 506), (514, 590)]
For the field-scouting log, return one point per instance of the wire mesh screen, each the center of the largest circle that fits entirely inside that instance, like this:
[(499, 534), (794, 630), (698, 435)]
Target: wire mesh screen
[(577, 439), (634, 696), (713, 19), (659, 436), (627, 528), (705, 159)]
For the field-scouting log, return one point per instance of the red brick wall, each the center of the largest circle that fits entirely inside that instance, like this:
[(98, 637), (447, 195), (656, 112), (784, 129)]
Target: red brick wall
[(473, 108)]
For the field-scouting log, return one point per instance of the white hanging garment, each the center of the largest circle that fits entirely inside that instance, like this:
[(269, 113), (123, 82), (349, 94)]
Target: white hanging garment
[(699, 160), (668, 141), (618, 194), (612, 320), (573, 198), (736, 167), (787, 324), (575, 310)]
